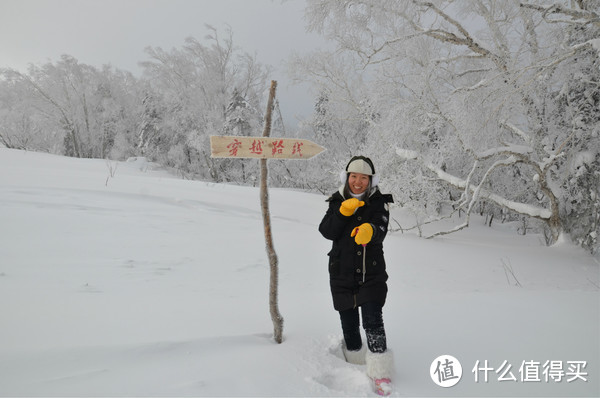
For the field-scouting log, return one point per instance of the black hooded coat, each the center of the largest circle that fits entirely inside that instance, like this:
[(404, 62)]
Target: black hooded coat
[(346, 256)]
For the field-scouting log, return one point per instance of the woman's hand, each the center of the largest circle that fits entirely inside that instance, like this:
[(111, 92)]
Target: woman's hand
[(362, 234), (349, 206)]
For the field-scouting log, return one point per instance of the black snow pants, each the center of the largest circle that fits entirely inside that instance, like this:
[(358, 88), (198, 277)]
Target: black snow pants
[(372, 317)]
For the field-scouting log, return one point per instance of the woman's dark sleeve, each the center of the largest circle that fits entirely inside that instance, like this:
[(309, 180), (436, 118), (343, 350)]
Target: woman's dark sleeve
[(333, 224)]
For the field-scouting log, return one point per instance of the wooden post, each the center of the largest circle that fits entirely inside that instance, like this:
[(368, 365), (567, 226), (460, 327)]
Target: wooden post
[(264, 201), (265, 148)]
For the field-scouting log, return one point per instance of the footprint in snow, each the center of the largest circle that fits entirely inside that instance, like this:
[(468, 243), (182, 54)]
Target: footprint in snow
[(345, 380)]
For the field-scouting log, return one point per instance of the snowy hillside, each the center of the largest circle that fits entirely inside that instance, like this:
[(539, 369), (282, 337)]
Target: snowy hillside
[(144, 284)]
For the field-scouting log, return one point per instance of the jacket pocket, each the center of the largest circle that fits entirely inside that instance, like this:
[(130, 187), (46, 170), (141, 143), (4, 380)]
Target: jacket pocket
[(334, 266), (376, 262)]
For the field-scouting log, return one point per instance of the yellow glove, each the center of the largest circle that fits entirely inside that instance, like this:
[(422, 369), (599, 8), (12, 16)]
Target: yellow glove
[(362, 234), (350, 205)]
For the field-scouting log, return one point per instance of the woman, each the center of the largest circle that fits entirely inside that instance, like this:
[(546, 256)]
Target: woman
[(357, 222)]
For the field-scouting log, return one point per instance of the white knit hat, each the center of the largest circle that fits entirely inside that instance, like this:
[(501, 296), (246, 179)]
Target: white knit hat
[(360, 165)]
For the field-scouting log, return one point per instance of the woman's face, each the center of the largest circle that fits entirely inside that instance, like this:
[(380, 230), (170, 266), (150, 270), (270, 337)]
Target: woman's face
[(358, 183)]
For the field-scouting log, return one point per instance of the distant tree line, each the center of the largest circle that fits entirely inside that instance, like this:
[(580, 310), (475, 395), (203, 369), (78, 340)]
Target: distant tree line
[(184, 96)]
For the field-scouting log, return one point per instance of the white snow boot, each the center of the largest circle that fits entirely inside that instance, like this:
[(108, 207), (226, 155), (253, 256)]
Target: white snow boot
[(355, 357), (380, 368)]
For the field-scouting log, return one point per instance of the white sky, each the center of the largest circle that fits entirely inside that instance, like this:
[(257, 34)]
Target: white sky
[(116, 32)]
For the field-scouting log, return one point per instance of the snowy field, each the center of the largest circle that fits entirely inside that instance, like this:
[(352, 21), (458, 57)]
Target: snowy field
[(144, 284)]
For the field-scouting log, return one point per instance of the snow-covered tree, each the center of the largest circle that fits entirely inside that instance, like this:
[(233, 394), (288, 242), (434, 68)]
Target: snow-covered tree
[(21, 125), (468, 95), (67, 107), (187, 94), (148, 135), (241, 118), (204, 89), (573, 107), (343, 112)]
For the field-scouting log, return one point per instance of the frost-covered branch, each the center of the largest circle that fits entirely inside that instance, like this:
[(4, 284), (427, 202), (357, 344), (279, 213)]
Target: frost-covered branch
[(517, 131), (457, 182), (511, 150), (466, 39), (542, 69), (577, 16), (477, 191)]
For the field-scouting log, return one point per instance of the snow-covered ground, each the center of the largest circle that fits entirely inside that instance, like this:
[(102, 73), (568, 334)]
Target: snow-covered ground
[(143, 284)]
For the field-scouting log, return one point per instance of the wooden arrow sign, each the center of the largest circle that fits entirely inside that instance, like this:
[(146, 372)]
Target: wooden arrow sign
[(223, 146)]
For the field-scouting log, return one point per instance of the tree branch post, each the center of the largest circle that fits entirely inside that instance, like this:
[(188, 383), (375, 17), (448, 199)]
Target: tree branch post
[(264, 201)]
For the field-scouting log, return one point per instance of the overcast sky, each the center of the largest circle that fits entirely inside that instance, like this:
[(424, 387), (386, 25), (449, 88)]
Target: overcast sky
[(116, 32)]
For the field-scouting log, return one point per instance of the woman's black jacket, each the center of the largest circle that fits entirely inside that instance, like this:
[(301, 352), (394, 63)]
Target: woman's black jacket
[(346, 256)]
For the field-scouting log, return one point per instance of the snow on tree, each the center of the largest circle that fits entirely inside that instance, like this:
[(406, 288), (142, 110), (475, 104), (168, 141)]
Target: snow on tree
[(20, 124), (478, 102), (342, 113), (66, 107), (205, 89)]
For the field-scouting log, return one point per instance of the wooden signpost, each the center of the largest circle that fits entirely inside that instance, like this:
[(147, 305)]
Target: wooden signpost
[(264, 148)]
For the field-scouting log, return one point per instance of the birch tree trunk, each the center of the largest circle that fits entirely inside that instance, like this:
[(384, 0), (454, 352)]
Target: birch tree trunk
[(264, 202)]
